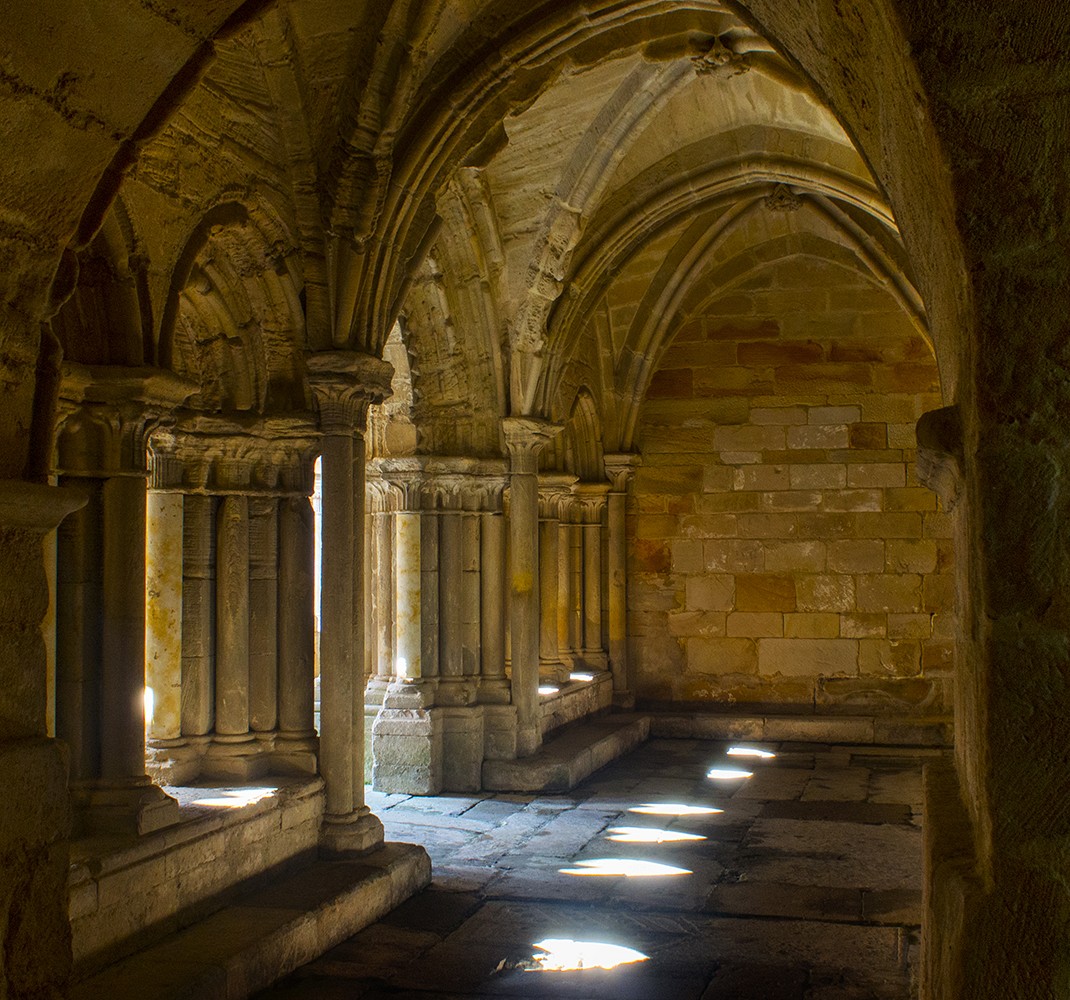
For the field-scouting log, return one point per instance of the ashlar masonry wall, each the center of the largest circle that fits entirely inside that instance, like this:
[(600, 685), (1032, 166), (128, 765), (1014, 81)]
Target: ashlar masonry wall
[(783, 552)]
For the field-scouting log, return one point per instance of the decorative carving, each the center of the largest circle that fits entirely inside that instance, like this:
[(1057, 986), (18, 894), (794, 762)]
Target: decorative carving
[(345, 384), (525, 437), (940, 454), (720, 58), (783, 199), (619, 468)]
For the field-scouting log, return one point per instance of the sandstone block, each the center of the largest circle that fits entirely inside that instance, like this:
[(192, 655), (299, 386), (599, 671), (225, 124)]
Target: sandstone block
[(779, 352), (868, 435), (668, 479), (861, 625), (937, 657), (762, 477), (709, 593), (851, 500), (939, 524), (825, 592), (778, 415), (902, 435), (687, 556), (886, 592), (708, 526), (655, 526), (856, 555), (938, 593), (728, 501), (748, 437), (703, 624), (718, 478), (790, 500), (890, 409), (817, 477), (878, 474), (887, 525), (910, 626), (671, 383), (755, 624), (911, 555), (722, 656), (807, 657), (806, 557), (734, 555), (887, 658), (834, 415), (765, 592), (766, 525), (812, 625), (818, 435), (910, 498)]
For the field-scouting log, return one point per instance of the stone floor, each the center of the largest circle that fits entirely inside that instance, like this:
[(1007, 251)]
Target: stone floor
[(807, 886)]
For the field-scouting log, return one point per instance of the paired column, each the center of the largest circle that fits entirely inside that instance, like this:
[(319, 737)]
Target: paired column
[(344, 384), (619, 469), (525, 437), (106, 416), (591, 501), (554, 490)]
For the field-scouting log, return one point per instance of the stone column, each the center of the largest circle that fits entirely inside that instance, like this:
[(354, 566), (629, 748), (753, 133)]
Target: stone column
[(553, 489), (170, 758), (494, 687), (619, 469), (106, 417), (525, 437), (198, 619), (406, 734), (592, 500), (296, 746), (344, 384), (263, 618), (575, 609)]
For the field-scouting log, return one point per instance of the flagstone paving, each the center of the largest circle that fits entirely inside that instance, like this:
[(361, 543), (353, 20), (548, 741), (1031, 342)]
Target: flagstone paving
[(807, 886)]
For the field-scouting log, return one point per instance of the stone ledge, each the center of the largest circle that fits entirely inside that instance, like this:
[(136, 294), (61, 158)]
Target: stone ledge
[(853, 729), (264, 936), (566, 760)]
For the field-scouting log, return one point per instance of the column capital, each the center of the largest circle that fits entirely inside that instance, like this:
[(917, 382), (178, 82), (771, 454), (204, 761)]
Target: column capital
[(344, 384), (554, 488), (236, 453), (435, 482), (620, 468), (106, 414), (589, 499), (525, 437)]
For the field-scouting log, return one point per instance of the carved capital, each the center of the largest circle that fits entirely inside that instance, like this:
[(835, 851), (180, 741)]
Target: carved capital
[(588, 502), (719, 57), (555, 489), (236, 454), (783, 199), (525, 438), (106, 414), (344, 385), (620, 468)]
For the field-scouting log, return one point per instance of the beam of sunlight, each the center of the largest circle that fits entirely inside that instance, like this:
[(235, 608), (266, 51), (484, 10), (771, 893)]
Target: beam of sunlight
[(750, 752), (649, 835), (628, 867), (580, 675), (150, 705), (728, 773), (566, 955), (673, 809), (235, 798), (548, 689)]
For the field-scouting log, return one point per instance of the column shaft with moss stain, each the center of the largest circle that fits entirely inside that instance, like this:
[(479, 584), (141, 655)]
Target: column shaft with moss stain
[(619, 469)]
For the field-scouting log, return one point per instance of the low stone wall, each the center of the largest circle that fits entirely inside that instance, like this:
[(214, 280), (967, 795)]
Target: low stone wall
[(122, 898)]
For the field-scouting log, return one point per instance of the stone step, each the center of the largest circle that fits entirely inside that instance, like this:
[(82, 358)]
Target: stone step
[(566, 759), (258, 938)]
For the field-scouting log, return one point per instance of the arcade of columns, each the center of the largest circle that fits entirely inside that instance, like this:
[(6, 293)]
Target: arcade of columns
[(459, 585)]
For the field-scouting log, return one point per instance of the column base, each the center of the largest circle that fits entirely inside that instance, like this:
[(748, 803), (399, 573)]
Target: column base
[(528, 740), (173, 762), (234, 759), (554, 672), (456, 691), (624, 700), (296, 753), (499, 732), (131, 808), (407, 742), (494, 691), (594, 659), (355, 833)]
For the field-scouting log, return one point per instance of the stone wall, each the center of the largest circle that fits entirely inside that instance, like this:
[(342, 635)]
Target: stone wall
[(783, 551)]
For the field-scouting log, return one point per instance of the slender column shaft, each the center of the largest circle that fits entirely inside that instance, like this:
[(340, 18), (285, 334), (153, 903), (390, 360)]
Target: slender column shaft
[(78, 615), (198, 615), (336, 625), (384, 603), (429, 600), (451, 584), (360, 585), (263, 614), (564, 588), (163, 617), (123, 629), (232, 618), (576, 589), (549, 584), (409, 643), (296, 618), (619, 468), (492, 596), (470, 595), (592, 586)]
